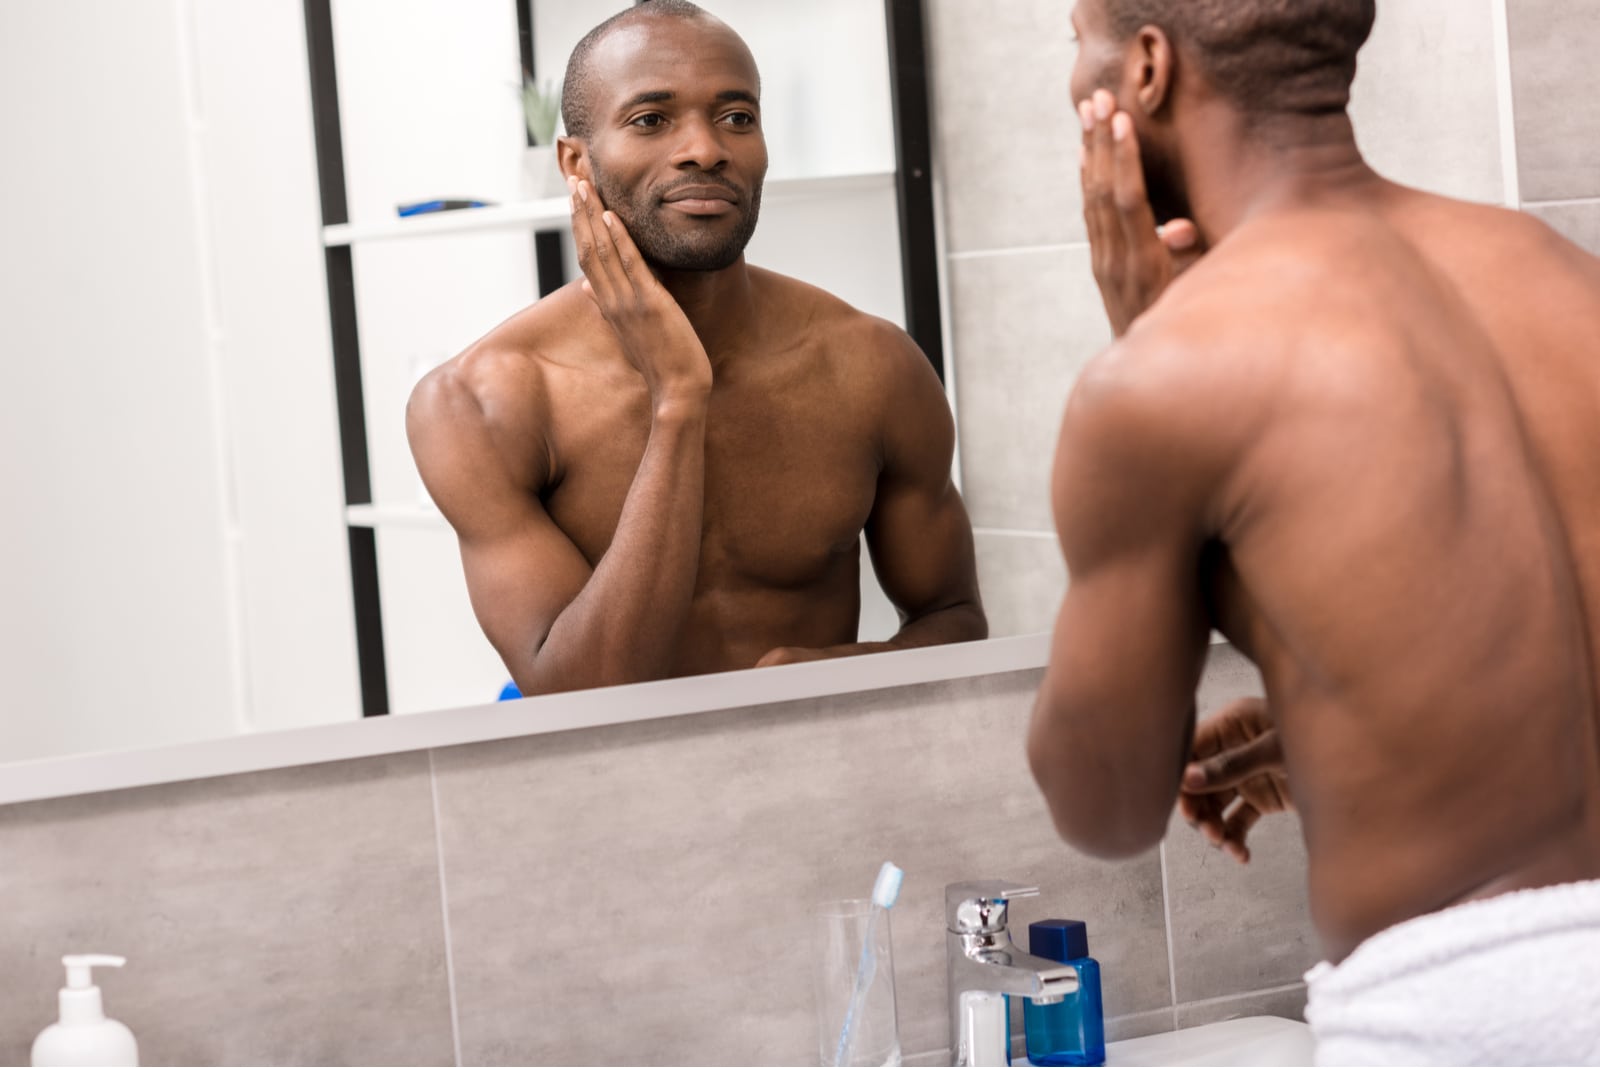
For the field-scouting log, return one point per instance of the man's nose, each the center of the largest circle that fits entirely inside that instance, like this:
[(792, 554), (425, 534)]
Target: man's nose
[(699, 145)]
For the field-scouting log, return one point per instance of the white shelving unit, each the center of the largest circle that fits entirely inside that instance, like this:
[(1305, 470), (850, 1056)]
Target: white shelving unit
[(555, 212), (382, 515)]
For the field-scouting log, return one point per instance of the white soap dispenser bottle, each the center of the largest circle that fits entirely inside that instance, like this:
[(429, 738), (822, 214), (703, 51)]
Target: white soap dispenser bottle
[(84, 1036)]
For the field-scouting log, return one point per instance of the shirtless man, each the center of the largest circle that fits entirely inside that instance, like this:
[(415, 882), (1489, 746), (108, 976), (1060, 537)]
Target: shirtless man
[(666, 468), (1360, 436)]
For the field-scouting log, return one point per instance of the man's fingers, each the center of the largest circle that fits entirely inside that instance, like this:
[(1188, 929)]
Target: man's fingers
[(627, 253), (1233, 766), (1100, 161), (1236, 829), (1127, 180), (1204, 812), (588, 244), (1180, 236), (1091, 217), (611, 261)]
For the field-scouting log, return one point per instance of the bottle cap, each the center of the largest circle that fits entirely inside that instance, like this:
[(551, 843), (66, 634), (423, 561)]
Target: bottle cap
[(1061, 940)]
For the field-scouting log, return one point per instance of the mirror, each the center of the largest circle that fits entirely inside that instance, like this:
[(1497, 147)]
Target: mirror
[(177, 563)]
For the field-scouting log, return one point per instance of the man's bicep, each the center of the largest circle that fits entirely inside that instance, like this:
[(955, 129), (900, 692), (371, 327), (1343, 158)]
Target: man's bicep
[(921, 544), (1130, 641), (919, 534), (1116, 707), (520, 578), (521, 569)]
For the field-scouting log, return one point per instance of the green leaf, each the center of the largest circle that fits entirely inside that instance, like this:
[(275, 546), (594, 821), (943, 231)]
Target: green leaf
[(541, 107)]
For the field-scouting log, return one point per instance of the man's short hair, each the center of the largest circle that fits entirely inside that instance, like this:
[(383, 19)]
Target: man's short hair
[(1268, 56), (578, 89)]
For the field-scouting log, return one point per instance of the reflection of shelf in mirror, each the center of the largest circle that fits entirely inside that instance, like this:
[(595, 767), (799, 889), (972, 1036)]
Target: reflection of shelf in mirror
[(553, 213), (379, 515)]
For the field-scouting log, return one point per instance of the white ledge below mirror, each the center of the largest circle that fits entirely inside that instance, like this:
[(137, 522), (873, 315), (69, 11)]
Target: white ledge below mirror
[(124, 769)]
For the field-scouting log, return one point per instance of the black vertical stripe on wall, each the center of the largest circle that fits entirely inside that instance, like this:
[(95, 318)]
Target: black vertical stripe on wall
[(919, 258), (550, 267), (350, 400)]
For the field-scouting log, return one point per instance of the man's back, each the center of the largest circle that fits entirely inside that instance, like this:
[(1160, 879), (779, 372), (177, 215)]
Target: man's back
[(1406, 392)]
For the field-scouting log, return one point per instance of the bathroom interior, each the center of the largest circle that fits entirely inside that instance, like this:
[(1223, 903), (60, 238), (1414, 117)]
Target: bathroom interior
[(250, 738)]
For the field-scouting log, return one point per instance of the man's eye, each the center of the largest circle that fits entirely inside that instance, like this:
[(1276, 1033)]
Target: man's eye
[(740, 118), (649, 120)]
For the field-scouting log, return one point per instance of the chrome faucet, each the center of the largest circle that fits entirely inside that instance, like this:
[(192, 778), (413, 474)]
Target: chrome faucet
[(983, 964)]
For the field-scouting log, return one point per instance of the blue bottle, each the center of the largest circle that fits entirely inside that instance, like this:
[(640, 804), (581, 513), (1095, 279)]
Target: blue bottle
[(1072, 1031)]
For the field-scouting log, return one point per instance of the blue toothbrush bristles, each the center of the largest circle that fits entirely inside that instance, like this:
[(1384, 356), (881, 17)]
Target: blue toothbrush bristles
[(886, 891)]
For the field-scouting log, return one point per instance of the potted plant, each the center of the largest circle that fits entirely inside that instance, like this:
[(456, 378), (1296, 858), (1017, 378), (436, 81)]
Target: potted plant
[(541, 109)]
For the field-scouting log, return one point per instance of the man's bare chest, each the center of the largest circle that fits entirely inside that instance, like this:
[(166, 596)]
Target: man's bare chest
[(788, 483)]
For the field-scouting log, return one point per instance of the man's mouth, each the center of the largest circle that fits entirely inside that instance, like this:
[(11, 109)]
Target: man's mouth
[(701, 199)]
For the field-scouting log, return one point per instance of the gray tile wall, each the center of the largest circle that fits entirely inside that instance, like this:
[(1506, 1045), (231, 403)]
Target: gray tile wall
[(290, 917), (634, 894), (1556, 91), (1024, 310)]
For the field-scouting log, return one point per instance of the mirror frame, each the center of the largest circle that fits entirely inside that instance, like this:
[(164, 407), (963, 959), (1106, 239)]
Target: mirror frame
[(123, 769)]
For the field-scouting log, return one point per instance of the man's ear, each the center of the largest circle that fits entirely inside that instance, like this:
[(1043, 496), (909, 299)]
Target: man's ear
[(1151, 60), (572, 155)]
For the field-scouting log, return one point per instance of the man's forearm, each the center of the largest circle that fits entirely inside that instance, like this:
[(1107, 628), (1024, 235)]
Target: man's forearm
[(961, 622), (964, 622), (624, 626)]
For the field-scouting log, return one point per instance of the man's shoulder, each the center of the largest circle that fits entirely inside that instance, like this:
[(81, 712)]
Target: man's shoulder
[(497, 392), (499, 374), (1184, 390), (858, 343), (820, 308)]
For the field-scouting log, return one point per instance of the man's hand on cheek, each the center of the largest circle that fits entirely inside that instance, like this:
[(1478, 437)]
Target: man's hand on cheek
[(1134, 260), (656, 336)]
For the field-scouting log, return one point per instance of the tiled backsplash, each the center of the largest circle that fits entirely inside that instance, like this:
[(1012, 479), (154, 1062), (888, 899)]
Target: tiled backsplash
[(1553, 79), (1558, 112), (629, 894)]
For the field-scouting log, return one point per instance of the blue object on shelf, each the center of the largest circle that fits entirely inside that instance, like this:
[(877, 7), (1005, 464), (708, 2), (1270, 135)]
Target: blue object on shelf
[(509, 692), (426, 207)]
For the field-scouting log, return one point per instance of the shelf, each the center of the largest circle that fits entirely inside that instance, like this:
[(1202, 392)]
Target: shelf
[(379, 515), (554, 213)]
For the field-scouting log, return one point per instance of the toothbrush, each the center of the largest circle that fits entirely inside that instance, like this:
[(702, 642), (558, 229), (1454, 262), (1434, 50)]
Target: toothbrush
[(885, 892)]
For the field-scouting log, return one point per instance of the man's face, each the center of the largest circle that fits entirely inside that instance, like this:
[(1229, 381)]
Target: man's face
[(676, 149), (1104, 62)]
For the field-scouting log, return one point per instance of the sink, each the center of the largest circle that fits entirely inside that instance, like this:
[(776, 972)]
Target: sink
[(1251, 1040)]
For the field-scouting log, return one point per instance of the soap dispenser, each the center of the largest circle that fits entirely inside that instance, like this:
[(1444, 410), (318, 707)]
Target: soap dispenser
[(84, 1035), (1072, 1031)]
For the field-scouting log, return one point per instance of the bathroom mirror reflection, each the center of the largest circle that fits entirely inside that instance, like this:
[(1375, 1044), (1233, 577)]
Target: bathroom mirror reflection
[(179, 562)]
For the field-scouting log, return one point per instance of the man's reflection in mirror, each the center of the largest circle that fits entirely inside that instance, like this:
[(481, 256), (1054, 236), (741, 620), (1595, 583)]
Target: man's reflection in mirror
[(665, 468)]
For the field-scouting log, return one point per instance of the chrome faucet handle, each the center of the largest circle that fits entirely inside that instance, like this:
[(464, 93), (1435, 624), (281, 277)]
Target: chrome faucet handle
[(980, 907)]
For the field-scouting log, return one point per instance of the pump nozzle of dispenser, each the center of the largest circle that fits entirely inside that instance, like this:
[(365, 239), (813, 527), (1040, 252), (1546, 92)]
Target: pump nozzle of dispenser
[(84, 1035), (80, 998)]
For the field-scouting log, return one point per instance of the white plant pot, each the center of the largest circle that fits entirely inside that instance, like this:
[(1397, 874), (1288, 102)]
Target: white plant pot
[(541, 178)]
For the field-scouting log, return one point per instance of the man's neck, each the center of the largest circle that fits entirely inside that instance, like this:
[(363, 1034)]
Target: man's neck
[(720, 305), (1235, 173)]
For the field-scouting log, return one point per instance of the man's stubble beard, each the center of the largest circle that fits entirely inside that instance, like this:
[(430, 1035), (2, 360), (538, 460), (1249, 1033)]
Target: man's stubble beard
[(664, 250), (1165, 187)]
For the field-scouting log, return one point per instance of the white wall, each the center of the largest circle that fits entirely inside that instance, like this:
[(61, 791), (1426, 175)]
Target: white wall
[(173, 559), (259, 175)]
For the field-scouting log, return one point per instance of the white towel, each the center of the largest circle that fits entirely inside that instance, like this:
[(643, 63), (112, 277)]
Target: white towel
[(1513, 979)]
